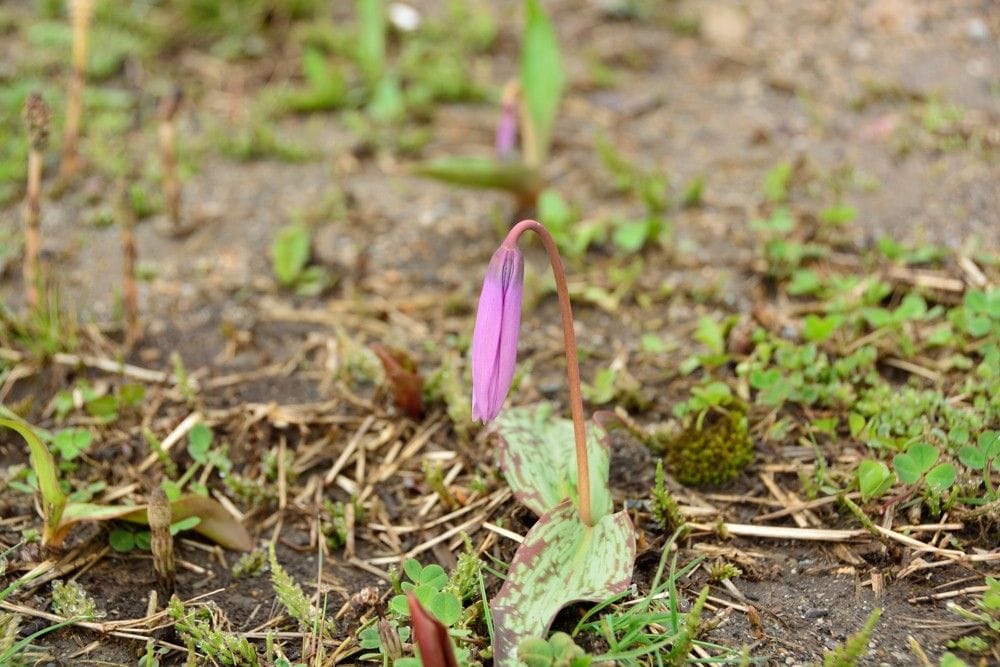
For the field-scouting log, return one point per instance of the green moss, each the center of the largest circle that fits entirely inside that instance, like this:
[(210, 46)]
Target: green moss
[(854, 648), (713, 454), (663, 507)]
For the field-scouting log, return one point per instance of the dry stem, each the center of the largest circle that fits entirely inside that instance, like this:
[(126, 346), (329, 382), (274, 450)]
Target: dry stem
[(36, 116), (80, 12), (161, 542), (130, 290), (168, 155)]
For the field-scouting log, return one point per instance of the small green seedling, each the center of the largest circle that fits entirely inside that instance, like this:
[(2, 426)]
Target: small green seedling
[(70, 600), (99, 402), (783, 253), (874, 479), (897, 252), (385, 650), (325, 86), (986, 613), (124, 540), (648, 186), (854, 648), (290, 253), (198, 628), (295, 601), (427, 584), (71, 442), (983, 457), (777, 182), (979, 314), (838, 215), (917, 465), (712, 335), (559, 650), (613, 383)]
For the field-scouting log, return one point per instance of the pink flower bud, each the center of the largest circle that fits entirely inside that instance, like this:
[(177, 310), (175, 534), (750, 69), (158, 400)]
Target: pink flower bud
[(494, 339)]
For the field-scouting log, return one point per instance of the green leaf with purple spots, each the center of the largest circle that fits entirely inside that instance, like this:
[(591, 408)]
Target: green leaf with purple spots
[(538, 457), (560, 561)]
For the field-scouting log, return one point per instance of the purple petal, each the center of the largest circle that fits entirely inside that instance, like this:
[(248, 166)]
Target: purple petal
[(506, 134), (494, 339)]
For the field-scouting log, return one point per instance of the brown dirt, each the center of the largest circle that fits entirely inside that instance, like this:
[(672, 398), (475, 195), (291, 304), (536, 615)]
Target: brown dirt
[(766, 81)]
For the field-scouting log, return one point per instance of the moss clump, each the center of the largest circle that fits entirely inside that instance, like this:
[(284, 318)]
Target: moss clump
[(713, 454), (663, 507)]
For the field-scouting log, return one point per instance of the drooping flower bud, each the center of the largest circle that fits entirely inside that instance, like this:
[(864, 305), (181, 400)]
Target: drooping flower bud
[(494, 339)]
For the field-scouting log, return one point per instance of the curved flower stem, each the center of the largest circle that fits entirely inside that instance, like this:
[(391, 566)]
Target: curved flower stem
[(572, 363)]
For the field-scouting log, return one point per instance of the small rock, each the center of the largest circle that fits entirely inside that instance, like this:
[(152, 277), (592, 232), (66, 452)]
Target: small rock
[(977, 30), (333, 247), (860, 50), (404, 17), (724, 27)]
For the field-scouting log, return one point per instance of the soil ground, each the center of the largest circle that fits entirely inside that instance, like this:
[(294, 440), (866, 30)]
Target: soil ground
[(817, 84)]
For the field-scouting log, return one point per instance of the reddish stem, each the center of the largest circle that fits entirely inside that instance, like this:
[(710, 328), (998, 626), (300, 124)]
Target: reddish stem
[(572, 362)]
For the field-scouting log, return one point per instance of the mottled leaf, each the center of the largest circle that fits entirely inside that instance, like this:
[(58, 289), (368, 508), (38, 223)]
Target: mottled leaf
[(476, 172), (538, 457), (560, 561)]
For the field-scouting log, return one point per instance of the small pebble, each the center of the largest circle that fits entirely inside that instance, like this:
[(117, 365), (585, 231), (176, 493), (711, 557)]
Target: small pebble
[(404, 17), (977, 30)]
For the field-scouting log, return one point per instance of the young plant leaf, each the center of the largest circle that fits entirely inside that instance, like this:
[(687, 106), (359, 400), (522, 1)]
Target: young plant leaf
[(53, 498), (906, 469), (371, 39), (401, 372), (972, 457), (122, 540), (560, 561), (215, 522), (941, 477), (478, 172), (917, 460), (874, 479), (289, 253), (538, 457), (542, 81)]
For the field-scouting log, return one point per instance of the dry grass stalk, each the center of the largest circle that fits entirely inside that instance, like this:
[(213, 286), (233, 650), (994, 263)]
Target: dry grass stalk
[(130, 289), (161, 542), (172, 438), (36, 117), (80, 13), (168, 155)]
